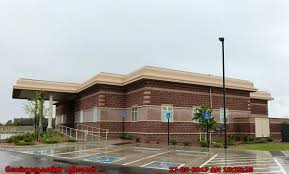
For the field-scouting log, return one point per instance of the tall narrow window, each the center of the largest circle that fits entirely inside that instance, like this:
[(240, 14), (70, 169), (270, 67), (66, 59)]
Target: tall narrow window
[(62, 119), (222, 115), (81, 117), (194, 111), (94, 118), (164, 110), (134, 114)]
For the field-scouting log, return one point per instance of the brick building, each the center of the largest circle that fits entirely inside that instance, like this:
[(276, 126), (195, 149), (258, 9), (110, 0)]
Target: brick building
[(145, 95)]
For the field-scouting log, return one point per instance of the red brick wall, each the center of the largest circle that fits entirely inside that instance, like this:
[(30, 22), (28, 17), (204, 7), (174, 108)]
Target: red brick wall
[(120, 97), (275, 127), (259, 106), (180, 131)]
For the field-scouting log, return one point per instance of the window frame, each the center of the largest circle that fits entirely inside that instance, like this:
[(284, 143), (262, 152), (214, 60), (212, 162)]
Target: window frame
[(81, 116), (222, 116), (134, 114), (94, 114), (171, 110), (194, 110)]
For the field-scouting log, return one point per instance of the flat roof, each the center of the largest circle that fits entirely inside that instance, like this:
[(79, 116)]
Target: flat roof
[(146, 72), (262, 95)]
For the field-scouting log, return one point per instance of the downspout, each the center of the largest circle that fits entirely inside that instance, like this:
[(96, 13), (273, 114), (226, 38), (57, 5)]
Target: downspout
[(211, 102)]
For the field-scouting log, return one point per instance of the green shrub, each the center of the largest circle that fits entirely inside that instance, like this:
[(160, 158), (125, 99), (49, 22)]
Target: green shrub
[(187, 143), (50, 142), (270, 139), (230, 142), (173, 142), (247, 139), (285, 132), (217, 144), (52, 137), (28, 139), (126, 135), (237, 137), (23, 139), (204, 143), (23, 143)]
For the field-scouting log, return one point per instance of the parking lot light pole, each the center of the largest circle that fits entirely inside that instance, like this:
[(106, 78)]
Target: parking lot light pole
[(224, 93)]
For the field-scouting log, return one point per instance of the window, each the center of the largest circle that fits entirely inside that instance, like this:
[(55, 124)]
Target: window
[(134, 114), (62, 119), (94, 116), (222, 115), (164, 111), (81, 117), (194, 110)]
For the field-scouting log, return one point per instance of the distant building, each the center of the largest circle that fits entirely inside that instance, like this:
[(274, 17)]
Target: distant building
[(147, 94)]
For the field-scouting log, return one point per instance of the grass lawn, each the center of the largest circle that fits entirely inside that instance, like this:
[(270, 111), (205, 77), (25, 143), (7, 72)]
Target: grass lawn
[(265, 146)]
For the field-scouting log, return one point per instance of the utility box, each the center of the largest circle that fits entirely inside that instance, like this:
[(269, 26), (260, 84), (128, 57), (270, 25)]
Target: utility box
[(262, 127)]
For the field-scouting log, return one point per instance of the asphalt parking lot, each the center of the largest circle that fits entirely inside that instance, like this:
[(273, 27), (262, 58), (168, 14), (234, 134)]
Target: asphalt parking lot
[(161, 158)]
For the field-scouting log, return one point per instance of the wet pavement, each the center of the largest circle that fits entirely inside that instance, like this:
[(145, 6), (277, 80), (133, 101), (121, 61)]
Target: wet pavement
[(140, 158)]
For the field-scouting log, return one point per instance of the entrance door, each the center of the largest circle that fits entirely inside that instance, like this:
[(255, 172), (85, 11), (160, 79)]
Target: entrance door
[(262, 128)]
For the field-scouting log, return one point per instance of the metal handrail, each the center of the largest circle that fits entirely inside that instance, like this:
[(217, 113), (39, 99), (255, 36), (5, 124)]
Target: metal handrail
[(92, 130), (68, 132)]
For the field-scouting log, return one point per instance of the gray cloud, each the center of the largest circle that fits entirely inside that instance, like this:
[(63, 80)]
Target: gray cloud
[(73, 40)]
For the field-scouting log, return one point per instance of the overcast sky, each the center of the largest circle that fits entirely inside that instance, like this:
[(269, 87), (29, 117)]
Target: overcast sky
[(71, 41)]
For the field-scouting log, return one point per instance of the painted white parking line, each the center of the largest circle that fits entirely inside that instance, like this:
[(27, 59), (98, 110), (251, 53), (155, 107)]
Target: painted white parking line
[(250, 159), (197, 152), (286, 153), (147, 148), (157, 167), (91, 154), (241, 165), (236, 157), (97, 153), (79, 151), (146, 158), (262, 168), (277, 171), (282, 169), (205, 163), (242, 162)]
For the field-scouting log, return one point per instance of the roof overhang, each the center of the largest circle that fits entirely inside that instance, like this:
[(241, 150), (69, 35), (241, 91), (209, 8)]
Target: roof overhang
[(25, 88), (261, 95), (155, 73)]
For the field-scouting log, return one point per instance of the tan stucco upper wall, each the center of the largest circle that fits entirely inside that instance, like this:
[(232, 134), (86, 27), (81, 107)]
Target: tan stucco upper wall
[(146, 72), (262, 95), (30, 84), (155, 73)]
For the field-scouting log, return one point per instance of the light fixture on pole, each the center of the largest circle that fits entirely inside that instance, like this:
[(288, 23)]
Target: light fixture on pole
[(224, 93)]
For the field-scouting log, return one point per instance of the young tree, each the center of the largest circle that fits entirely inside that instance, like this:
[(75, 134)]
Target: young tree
[(35, 108), (199, 116)]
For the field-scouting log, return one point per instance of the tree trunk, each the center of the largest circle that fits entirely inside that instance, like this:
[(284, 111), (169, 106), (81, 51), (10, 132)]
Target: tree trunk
[(40, 115)]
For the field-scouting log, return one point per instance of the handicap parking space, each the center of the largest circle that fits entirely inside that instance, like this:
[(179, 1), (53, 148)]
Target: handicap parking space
[(125, 155), (170, 158), (52, 150), (162, 165), (261, 163)]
